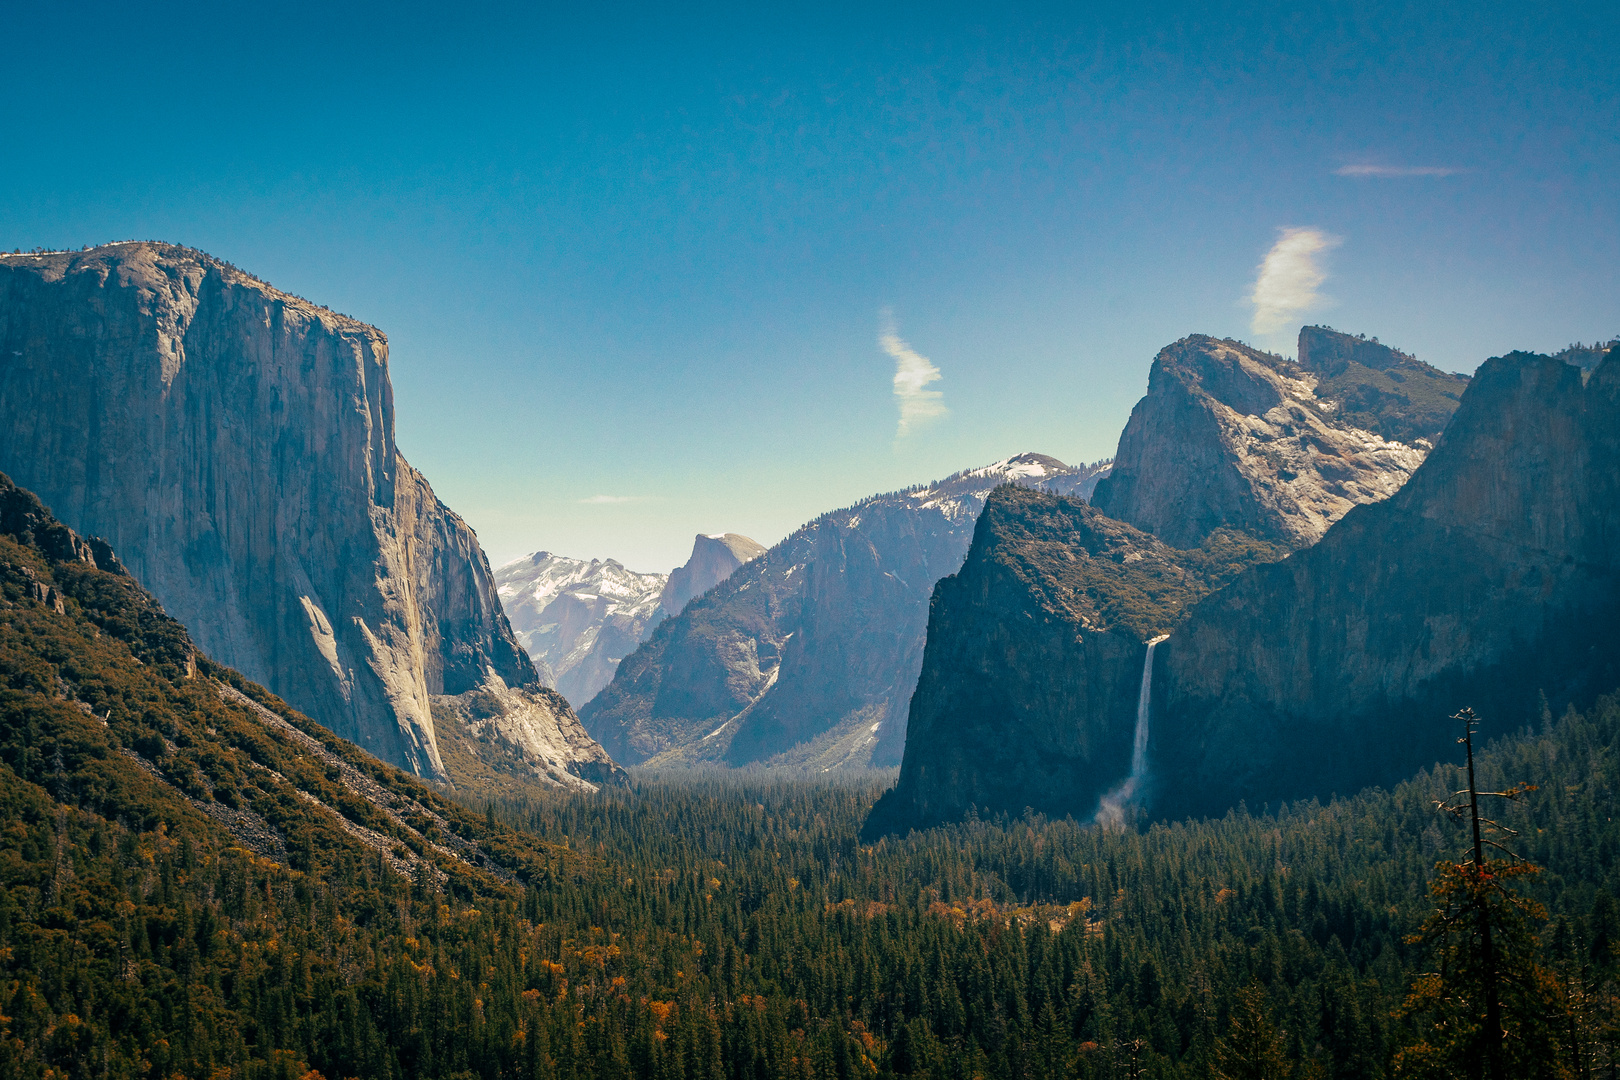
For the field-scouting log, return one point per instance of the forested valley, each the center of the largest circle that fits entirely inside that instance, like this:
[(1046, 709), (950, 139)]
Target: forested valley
[(726, 927), (197, 881)]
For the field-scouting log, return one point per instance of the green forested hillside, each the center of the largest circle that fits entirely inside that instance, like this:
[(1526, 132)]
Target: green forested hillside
[(196, 881)]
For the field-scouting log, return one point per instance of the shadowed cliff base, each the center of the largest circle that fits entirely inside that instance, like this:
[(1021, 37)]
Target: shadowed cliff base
[(1029, 686)]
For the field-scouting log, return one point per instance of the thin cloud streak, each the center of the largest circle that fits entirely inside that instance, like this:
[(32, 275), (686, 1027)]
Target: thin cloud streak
[(1395, 171), (1288, 279), (612, 500), (912, 374)]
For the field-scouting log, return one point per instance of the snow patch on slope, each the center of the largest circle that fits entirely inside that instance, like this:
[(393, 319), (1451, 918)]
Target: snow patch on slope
[(578, 617)]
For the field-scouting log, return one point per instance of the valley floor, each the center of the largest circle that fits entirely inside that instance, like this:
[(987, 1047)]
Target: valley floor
[(731, 925)]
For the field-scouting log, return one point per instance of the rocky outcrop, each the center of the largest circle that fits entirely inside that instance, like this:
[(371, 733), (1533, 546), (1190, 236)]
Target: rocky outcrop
[(712, 561), (807, 655), (1491, 578), (24, 517), (1377, 388), (526, 730), (236, 446), (1028, 689), (579, 618), (1230, 436)]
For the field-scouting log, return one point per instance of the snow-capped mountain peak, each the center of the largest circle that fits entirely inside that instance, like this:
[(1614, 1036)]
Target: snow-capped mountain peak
[(577, 618)]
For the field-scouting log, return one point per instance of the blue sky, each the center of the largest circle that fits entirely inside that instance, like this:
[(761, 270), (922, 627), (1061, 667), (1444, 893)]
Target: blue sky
[(639, 266)]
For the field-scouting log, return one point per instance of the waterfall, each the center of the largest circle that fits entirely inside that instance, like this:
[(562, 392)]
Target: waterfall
[(1112, 809)]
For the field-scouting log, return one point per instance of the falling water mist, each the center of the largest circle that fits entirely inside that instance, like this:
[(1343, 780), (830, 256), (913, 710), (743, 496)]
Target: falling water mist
[(1112, 809)]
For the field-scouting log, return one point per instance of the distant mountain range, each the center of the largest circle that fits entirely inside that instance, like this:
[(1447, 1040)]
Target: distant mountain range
[(578, 618), (1332, 553), (807, 655)]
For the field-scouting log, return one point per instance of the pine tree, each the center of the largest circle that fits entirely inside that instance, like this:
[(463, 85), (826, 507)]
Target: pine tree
[(1253, 1048), (1489, 1011)]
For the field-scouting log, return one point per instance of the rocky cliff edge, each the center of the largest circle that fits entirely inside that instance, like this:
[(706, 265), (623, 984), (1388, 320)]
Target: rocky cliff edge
[(1228, 436), (235, 444)]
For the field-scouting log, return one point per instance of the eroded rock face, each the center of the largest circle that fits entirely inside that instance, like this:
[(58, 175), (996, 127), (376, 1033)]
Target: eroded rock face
[(713, 559), (1492, 577), (533, 729), (1028, 690), (236, 446), (1230, 436), (807, 655), (1380, 389)]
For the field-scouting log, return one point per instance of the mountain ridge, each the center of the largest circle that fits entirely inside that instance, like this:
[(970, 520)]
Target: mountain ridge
[(1489, 579), (1506, 587), (579, 618), (805, 657), (1229, 436)]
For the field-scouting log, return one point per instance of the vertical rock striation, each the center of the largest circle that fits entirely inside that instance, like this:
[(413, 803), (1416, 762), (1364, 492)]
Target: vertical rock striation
[(236, 446), (1492, 577), (1029, 685)]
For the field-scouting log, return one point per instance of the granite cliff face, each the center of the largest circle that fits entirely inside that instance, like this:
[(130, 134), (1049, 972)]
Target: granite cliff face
[(713, 559), (236, 445), (1230, 436), (1028, 689), (1489, 579), (807, 655), (578, 618)]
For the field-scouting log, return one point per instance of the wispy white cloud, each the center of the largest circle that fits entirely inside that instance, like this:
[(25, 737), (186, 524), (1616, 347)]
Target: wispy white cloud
[(610, 500), (1385, 172), (912, 374), (1288, 279)]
